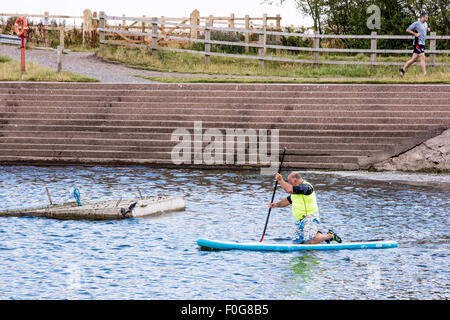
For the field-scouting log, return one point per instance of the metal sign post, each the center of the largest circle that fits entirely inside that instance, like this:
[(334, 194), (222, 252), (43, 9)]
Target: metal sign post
[(22, 49), (21, 34)]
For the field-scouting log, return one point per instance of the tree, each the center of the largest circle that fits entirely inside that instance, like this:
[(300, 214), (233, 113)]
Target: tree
[(315, 9), (350, 17)]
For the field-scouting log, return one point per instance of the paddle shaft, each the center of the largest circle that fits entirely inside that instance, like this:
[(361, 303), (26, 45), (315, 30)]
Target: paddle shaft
[(273, 195)]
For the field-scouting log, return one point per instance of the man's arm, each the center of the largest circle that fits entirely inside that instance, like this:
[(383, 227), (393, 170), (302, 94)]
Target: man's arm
[(286, 186), (280, 204), (411, 29), (412, 32), (301, 189)]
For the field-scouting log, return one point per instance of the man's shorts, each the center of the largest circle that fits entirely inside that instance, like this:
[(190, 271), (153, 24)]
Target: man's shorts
[(306, 229), (419, 48)]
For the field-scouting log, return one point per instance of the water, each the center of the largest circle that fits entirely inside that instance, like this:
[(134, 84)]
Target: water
[(157, 257)]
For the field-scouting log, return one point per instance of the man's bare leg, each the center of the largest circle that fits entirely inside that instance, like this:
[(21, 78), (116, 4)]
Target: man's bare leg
[(422, 64), (410, 61), (320, 237)]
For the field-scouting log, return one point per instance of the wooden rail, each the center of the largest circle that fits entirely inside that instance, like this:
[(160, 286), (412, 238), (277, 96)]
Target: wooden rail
[(4, 38), (262, 42), (45, 15)]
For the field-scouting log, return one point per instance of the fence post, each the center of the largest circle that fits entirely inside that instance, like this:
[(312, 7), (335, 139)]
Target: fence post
[(154, 36), (87, 26), (194, 20), (247, 35), (261, 49), (102, 33), (59, 50), (143, 29), (316, 46), (94, 32), (278, 29), (207, 44), (373, 48), (231, 21), (61, 37), (45, 31), (162, 27), (265, 29), (432, 48)]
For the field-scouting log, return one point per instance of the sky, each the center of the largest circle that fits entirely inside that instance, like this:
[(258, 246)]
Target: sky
[(167, 8)]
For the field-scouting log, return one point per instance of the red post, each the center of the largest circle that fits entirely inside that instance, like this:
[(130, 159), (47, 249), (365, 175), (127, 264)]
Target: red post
[(23, 54)]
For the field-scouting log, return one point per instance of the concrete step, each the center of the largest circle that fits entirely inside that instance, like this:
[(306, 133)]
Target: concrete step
[(208, 116), (302, 146), (295, 129), (230, 106), (330, 136), (230, 123), (169, 147), (281, 108), (242, 100), (165, 164), (317, 165), (176, 92), (99, 112), (233, 87), (151, 155)]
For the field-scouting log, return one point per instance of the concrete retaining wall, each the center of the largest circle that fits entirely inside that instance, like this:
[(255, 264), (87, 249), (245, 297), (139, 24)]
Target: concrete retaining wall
[(433, 154)]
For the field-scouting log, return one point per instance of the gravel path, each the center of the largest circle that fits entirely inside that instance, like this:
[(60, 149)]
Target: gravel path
[(87, 64), (83, 63)]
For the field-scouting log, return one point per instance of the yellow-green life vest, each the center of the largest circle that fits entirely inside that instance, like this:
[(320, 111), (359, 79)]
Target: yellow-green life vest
[(304, 205)]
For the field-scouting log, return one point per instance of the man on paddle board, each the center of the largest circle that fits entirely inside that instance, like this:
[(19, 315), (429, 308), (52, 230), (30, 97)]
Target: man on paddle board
[(305, 210)]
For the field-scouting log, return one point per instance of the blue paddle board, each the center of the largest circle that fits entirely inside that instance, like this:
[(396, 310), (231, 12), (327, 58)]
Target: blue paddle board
[(263, 246)]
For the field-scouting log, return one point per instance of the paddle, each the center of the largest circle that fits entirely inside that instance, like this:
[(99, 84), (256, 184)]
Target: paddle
[(273, 194)]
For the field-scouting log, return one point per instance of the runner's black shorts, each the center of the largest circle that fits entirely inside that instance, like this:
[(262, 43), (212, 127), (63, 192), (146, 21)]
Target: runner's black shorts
[(419, 48)]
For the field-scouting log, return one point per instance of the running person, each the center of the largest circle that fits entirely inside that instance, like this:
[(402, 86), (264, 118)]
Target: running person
[(419, 30), (305, 210)]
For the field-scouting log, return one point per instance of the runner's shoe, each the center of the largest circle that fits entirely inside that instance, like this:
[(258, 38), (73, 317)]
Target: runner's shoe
[(335, 236), (402, 72)]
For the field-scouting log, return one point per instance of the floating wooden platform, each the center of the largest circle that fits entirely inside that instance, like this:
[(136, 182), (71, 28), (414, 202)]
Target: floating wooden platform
[(105, 210)]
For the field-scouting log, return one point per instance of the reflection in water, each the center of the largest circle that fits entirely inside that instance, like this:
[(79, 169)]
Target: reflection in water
[(157, 258), (303, 267)]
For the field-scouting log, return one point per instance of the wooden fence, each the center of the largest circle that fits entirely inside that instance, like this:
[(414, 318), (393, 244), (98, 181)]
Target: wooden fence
[(159, 33), (185, 27), (150, 40), (88, 23)]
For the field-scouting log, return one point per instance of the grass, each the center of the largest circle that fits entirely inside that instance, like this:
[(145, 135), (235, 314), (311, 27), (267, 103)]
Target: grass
[(166, 61), (385, 80), (10, 71)]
